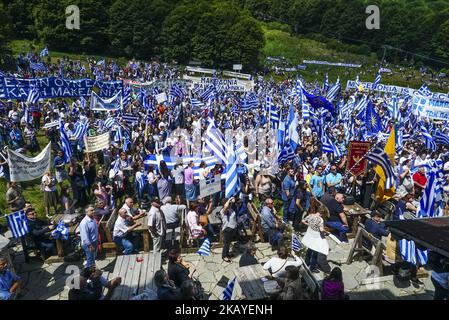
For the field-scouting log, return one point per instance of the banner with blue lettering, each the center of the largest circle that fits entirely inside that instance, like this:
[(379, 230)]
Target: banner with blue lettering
[(52, 87), (431, 108)]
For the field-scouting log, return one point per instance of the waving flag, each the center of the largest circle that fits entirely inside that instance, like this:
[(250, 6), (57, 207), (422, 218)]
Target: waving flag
[(232, 181), (286, 154), (61, 231), (319, 102), (379, 157), (215, 142), (377, 80), (126, 98), (44, 52), (33, 95), (65, 143), (372, 119), (430, 195), (428, 139), (227, 294), (328, 146), (204, 250), (38, 66), (424, 91), (334, 91), (393, 107), (17, 222), (326, 83)]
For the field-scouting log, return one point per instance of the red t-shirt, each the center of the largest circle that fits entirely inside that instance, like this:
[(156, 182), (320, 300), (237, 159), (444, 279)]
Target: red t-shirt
[(420, 178)]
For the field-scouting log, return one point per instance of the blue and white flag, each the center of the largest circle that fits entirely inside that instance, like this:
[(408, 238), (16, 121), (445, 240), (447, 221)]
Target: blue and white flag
[(215, 142), (80, 130), (393, 107), (44, 52), (333, 91), (377, 80), (232, 180), (18, 224), (196, 103), (328, 146), (38, 66), (204, 250), (65, 143), (433, 191), (126, 98), (61, 231), (441, 138), (227, 293), (424, 91), (296, 244), (326, 83), (110, 122), (379, 157), (428, 139), (33, 95), (209, 93), (286, 154)]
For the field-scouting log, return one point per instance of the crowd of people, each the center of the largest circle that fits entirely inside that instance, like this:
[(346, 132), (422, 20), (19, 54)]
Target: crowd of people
[(119, 177)]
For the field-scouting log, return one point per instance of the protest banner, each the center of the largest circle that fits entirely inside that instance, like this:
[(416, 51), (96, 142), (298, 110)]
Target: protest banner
[(97, 143), (22, 168), (17, 89), (233, 84), (99, 104), (161, 97), (210, 186), (393, 89), (430, 108), (357, 162), (337, 64)]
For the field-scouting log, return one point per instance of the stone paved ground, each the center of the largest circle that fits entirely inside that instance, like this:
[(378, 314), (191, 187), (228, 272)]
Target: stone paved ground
[(47, 281)]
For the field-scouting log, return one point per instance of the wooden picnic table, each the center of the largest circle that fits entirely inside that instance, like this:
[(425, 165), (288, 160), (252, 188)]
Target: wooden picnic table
[(250, 280), (137, 273), (356, 213), (143, 228), (73, 222)]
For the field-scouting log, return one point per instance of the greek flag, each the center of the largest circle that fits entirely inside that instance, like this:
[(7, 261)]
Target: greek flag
[(37, 66), (204, 250), (126, 98), (430, 143), (196, 103), (118, 134), (347, 108), (215, 142), (296, 244), (130, 118), (80, 130), (116, 167), (432, 193), (326, 83), (361, 105), (393, 107), (65, 143), (240, 151), (409, 252), (110, 122), (379, 157), (33, 95), (83, 103), (250, 102), (286, 154), (377, 80), (44, 52), (61, 231), (329, 146), (232, 180), (101, 63), (424, 91), (208, 93), (141, 181), (333, 91), (18, 224), (176, 91), (227, 293), (441, 138)]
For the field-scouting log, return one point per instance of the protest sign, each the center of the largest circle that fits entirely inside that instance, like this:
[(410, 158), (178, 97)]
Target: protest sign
[(210, 186), (22, 168), (97, 143), (357, 151)]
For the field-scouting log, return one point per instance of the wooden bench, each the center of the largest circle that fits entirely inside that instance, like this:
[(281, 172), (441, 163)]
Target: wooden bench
[(107, 227), (357, 247), (175, 235), (137, 273)]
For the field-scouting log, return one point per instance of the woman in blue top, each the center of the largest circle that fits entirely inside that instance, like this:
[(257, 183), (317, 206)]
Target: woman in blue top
[(317, 183)]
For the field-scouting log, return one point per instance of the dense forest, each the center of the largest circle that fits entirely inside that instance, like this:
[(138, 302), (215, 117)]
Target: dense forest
[(220, 33)]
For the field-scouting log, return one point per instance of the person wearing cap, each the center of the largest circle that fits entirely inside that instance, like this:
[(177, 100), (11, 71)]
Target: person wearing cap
[(375, 227)]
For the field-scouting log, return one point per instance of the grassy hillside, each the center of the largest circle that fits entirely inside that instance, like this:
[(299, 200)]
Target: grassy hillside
[(296, 49)]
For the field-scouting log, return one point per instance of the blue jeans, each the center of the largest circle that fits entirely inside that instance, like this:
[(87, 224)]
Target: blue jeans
[(342, 230), (286, 211), (125, 243), (90, 256)]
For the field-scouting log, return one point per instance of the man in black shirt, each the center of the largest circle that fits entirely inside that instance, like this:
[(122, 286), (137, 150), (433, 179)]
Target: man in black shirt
[(337, 219), (39, 231)]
